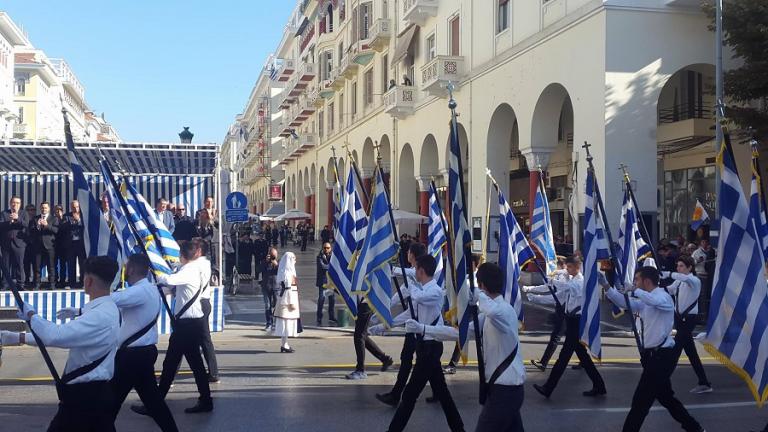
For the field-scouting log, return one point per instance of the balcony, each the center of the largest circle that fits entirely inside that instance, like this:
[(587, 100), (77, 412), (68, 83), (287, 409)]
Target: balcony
[(285, 100), (347, 67), (419, 11), (436, 74), (684, 124), (20, 129), (307, 106), (326, 88), (315, 99), (296, 86), (285, 70), (400, 101), (307, 72), (381, 33), (362, 53), (338, 79)]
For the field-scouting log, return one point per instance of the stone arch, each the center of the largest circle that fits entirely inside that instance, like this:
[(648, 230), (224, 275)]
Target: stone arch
[(369, 155), (504, 148), (407, 196), (428, 159)]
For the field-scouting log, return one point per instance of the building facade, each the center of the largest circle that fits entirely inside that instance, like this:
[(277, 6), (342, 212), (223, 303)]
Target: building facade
[(534, 81), (11, 37)]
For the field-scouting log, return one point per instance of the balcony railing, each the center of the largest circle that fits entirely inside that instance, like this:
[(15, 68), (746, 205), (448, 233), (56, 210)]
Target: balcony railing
[(347, 67), (20, 129), (362, 53), (685, 111), (326, 88), (436, 74), (307, 72), (286, 70), (308, 140), (381, 33), (419, 11), (400, 101)]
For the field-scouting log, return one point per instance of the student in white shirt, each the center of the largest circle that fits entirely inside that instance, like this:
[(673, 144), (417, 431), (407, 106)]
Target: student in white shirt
[(538, 295), (86, 395), (504, 369), (686, 290), (656, 312)]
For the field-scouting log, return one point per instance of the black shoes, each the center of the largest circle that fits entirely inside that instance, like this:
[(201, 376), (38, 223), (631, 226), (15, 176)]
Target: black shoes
[(200, 407), (386, 364), (387, 399), (539, 365), (287, 350), (214, 379), (594, 392), (543, 390), (140, 409)]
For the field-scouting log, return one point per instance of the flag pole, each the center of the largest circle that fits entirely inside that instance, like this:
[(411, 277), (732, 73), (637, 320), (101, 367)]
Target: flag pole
[(467, 247), (359, 177), (643, 230), (612, 254)]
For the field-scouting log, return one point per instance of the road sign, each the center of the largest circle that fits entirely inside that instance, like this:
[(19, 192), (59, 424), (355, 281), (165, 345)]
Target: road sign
[(237, 207)]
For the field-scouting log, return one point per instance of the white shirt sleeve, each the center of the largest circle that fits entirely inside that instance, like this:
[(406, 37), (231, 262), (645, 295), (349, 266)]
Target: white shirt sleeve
[(619, 300), (658, 299), (80, 332), (129, 297), (505, 323)]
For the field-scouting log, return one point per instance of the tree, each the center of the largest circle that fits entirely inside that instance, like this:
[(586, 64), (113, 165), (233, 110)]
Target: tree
[(745, 31)]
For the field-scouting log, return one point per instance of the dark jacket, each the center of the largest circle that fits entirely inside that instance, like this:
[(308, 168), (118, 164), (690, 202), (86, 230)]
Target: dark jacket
[(185, 229), (323, 261), (43, 237), (269, 277), (74, 228), (325, 235), (14, 233)]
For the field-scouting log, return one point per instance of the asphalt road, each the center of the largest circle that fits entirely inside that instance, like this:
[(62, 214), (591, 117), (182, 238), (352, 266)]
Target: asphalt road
[(262, 389)]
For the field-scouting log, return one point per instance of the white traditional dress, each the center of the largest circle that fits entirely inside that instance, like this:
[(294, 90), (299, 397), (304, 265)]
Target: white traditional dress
[(287, 311)]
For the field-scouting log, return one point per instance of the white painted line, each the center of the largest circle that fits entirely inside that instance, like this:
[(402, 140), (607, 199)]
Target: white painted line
[(660, 408)]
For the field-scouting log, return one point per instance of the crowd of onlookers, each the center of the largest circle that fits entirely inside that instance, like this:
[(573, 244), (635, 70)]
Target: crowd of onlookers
[(44, 246)]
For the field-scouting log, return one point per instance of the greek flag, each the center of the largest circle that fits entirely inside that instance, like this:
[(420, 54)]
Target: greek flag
[(541, 229), (351, 216), (757, 204), (98, 238), (166, 244), (436, 236), (595, 249), (700, 216), (125, 237), (632, 246), (514, 252), (461, 239), (738, 314), (372, 276)]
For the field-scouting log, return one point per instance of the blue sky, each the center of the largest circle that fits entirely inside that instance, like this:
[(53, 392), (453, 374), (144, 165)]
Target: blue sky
[(153, 66)]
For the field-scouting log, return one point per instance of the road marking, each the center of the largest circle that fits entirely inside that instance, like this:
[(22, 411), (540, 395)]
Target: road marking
[(660, 408)]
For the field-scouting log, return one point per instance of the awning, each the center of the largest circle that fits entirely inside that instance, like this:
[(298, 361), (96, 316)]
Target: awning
[(404, 42), (275, 210)]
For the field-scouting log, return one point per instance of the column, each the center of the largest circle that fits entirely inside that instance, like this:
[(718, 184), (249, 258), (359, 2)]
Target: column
[(386, 175), (536, 159), (423, 205), (308, 200), (367, 175), (312, 203), (331, 203), (445, 202)]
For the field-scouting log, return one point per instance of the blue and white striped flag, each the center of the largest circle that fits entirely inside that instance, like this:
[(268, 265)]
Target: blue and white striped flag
[(345, 243), (166, 244), (632, 246), (757, 204), (98, 238), (595, 249), (436, 239), (514, 253), (125, 237), (738, 313), (371, 276), (541, 229), (460, 240)]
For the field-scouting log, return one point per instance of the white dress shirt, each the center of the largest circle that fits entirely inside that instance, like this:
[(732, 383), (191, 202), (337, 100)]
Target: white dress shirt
[(139, 304), (205, 267), (569, 291), (88, 337), (427, 304), (656, 315), (498, 320), (188, 280), (547, 299), (686, 290)]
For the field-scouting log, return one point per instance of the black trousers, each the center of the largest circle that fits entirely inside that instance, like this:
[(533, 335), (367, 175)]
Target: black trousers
[(558, 321), (185, 341), (570, 346), (427, 369), (501, 412), (135, 369), (13, 258), (45, 257), (455, 356), (684, 341), (655, 384), (361, 339), (321, 303), (75, 255), (269, 302), (30, 255), (85, 407), (61, 266), (209, 352), (406, 364)]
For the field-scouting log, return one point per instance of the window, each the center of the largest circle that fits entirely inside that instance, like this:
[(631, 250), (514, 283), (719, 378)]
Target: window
[(327, 65), (341, 51), (430, 51), (21, 87), (503, 16), (341, 111), (330, 118), (329, 19), (366, 10), (368, 87), (681, 190), (353, 102), (385, 72), (455, 36)]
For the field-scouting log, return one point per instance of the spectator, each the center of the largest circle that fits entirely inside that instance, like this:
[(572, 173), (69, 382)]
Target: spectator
[(326, 234), (43, 231), (61, 243), (31, 251), (321, 279), (163, 215), (269, 286), (185, 226)]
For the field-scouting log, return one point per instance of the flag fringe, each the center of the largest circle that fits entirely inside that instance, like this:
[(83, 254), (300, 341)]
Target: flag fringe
[(741, 373)]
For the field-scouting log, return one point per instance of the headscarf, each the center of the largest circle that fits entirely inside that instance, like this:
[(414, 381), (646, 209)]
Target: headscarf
[(286, 270)]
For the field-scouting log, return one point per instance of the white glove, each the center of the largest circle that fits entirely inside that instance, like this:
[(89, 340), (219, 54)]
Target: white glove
[(474, 297), (413, 326), (527, 289), (327, 293), (9, 338), (602, 280), (67, 313), (665, 274), (531, 297), (376, 330), (25, 311)]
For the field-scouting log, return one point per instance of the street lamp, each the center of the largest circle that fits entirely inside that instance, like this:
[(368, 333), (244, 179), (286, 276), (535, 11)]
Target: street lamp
[(186, 136)]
